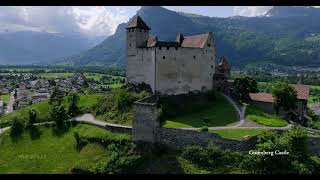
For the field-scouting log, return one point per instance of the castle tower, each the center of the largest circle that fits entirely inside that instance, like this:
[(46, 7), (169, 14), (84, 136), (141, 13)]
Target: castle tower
[(137, 35), (224, 67)]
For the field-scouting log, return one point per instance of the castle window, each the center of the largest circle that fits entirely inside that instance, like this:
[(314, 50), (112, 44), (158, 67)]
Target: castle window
[(139, 30), (132, 30), (163, 57), (167, 48), (209, 45), (159, 48), (177, 48), (211, 66), (130, 44), (194, 57)]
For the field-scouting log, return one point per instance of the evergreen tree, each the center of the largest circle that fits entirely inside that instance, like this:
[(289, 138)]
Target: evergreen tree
[(73, 99)]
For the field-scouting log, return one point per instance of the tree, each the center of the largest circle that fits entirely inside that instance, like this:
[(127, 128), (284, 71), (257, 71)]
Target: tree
[(32, 118), (16, 128), (15, 94), (245, 85), (56, 96), (73, 99), (57, 113), (285, 96)]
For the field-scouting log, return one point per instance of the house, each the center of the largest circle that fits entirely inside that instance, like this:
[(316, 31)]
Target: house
[(169, 67), (39, 97), (264, 101)]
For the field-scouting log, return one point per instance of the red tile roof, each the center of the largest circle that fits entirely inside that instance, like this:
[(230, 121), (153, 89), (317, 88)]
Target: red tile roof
[(262, 97), (197, 41), (302, 94), (224, 64), (302, 91)]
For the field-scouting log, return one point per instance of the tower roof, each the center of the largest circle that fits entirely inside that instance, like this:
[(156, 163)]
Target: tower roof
[(223, 63), (137, 22), (179, 38)]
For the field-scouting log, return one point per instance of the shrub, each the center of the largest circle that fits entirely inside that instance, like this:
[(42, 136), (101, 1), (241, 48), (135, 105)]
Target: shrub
[(118, 161), (298, 160), (80, 142), (211, 156), (204, 129)]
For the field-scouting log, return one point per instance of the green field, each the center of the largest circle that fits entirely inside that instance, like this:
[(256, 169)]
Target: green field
[(260, 117), (54, 75), (50, 154), (43, 108), (238, 133), (219, 112), (5, 97)]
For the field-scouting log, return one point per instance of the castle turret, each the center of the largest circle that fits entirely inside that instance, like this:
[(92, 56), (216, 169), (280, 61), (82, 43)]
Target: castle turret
[(137, 35)]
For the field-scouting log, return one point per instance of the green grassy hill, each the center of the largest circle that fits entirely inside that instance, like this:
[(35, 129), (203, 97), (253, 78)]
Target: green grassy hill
[(254, 114), (50, 154), (218, 112)]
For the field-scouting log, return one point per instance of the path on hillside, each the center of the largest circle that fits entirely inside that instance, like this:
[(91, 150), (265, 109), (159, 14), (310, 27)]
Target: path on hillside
[(10, 103), (90, 119), (241, 113)]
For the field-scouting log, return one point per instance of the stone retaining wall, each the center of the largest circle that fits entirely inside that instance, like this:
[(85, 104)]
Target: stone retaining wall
[(178, 138)]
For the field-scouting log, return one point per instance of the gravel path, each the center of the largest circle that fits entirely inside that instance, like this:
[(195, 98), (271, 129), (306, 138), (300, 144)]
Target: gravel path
[(89, 118)]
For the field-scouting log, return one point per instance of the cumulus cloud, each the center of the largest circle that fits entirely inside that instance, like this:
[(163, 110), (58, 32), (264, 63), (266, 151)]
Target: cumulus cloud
[(250, 11), (96, 21)]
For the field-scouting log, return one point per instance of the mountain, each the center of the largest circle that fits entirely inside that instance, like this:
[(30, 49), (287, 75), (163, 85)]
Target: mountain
[(36, 47), (285, 35)]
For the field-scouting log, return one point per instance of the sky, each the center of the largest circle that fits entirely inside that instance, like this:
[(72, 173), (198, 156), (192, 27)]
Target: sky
[(97, 20)]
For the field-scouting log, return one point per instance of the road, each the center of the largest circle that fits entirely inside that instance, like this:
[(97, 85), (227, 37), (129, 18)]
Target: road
[(10, 103)]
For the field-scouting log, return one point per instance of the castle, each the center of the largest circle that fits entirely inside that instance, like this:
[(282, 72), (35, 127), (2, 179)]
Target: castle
[(178, 67)]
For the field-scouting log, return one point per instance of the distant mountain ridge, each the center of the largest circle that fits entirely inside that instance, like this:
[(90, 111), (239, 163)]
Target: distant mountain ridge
[(285, 35), (37, 47)]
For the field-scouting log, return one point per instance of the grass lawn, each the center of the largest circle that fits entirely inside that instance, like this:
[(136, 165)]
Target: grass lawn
[(43, 108), (260, 117), (50, 154), (54, 75), (219, 112), (5, 97), (116, 86), (237, 133)]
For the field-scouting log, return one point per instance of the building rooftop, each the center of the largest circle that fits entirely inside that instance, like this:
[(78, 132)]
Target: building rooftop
[(302, 91), (261, 97), (302, 94), (197, 41), (137, 22)]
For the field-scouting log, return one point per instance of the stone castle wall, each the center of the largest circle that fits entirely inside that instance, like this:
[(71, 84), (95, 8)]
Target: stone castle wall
[(170, 70)]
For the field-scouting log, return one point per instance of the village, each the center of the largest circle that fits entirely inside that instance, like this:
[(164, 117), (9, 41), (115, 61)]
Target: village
[(24, 89)]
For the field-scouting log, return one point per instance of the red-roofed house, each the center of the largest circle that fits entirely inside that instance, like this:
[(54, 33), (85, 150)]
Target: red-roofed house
[(264, 101), (169, 67)]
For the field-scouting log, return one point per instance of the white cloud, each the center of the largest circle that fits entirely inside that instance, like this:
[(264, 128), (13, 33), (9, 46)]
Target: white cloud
[(94, 21), (250, 11)]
